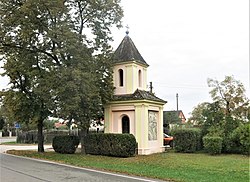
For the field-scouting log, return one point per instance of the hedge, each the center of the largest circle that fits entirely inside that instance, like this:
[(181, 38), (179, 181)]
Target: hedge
[(109, 144), (240, 139), (212, 144), (187, 140), (65, 144)]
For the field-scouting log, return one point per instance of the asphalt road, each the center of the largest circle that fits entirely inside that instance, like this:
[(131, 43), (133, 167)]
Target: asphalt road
[(22, 169)]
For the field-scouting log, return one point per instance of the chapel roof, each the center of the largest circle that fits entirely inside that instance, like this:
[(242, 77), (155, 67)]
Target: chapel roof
[(127, 51), (138, 95)]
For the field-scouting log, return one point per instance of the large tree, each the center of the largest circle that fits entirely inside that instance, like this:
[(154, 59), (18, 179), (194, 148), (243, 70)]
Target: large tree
[(228, 97), (229, 110), (57, 57), (197, 116), (230, 93)]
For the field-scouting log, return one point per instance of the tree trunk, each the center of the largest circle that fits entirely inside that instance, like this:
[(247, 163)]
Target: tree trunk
[(40, 137), (83, 133), (69, 125)]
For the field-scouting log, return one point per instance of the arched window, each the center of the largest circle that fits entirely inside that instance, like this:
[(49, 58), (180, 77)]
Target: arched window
[(139, 79), (120, 77), (125, 124)]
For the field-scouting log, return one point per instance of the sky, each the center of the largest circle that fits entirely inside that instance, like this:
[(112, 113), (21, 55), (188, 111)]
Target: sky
[(185, 42)]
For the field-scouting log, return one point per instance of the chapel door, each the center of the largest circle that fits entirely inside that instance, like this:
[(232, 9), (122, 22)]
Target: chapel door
[(125, 124)]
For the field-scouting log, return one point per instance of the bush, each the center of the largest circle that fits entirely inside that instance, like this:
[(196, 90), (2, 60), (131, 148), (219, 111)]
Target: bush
[(212, 144), (187, 140), (109, 144), (240, 139), (65, 144)]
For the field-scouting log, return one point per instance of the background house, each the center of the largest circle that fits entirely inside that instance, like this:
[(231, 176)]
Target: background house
[(173, 118)]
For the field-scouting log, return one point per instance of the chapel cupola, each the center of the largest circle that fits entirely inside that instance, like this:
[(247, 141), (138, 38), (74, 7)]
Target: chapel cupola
[(129, 68), (132, 108)]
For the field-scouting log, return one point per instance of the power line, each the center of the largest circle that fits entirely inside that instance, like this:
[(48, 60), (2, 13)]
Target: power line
[(180, 86)]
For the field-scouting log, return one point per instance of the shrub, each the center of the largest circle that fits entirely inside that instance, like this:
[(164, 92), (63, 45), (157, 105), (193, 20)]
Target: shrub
[(187, 140), (212, 144), (240, 138), (65, 144), (118, 145), (91, 143)]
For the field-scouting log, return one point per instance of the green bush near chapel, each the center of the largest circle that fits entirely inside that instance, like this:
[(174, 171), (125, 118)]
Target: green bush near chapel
[(109, 144), (212, 144), (187, 140), (65, 144)]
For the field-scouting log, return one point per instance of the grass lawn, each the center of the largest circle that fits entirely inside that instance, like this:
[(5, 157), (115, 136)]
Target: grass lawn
[(167, 166), (9, 143), (15, 143)]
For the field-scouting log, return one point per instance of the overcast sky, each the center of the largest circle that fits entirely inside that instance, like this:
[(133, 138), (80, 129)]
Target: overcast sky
[(185, 42)]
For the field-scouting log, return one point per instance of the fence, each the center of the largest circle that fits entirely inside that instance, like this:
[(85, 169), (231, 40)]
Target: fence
[(31, 136)]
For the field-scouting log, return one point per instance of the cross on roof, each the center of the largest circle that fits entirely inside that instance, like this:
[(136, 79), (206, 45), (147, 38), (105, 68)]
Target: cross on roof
[(127, 32)]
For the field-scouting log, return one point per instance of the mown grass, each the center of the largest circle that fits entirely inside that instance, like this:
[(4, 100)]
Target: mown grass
[(8, 143), (167, 166), (15, 143)]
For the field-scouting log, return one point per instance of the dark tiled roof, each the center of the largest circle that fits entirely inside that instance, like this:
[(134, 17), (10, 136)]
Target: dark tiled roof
[(127, 51), (172, 115), (173, 112), (138, 95)]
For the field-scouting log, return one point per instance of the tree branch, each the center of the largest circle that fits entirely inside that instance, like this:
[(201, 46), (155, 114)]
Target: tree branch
[(34, 50)]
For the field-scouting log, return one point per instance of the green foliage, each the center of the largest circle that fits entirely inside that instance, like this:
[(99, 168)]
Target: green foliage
[(229, 109), (197, 116), (187, 140), (215, 131), (240, 139), (171, 117), (53, 66), (213, 117), (212, 144), (118, 145), (230, 124), (230, 93), (3, 120), (65, 144), (49, 124), (1, 123)]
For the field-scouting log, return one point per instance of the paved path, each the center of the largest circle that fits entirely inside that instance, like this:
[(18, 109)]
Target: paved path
[(20, 169)]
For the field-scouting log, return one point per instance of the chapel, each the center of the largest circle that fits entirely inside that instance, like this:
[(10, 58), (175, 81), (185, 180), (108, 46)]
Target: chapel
[(133, 109)]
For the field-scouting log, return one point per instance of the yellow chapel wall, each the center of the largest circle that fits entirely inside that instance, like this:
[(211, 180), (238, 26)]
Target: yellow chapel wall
[(138, 114), (130, 78)]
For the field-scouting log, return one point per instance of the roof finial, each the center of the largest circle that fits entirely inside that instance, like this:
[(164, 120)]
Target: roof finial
[(127, 32)]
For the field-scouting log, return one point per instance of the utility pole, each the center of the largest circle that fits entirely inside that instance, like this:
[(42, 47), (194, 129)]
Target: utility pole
[(177, 102)]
